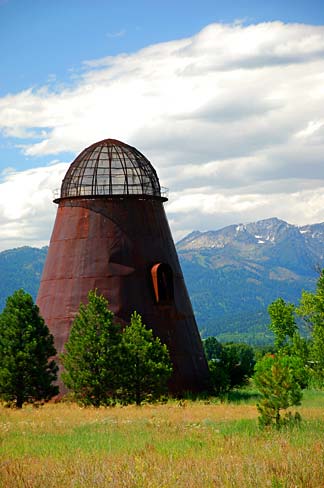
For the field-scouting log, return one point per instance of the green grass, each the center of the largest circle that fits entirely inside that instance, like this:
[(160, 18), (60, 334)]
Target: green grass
[(187, 444), (313, 398), (249, 395)]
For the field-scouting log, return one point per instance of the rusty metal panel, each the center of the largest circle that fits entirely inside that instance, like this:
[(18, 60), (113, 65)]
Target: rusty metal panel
[(112, 245)]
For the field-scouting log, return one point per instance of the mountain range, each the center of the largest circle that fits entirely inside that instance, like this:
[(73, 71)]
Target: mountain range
[(232, 274)]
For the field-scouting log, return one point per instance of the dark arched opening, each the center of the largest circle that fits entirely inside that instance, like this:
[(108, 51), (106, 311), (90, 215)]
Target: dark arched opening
[(162, 278)]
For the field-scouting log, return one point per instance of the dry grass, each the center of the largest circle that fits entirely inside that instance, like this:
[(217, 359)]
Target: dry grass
[(173, 445)]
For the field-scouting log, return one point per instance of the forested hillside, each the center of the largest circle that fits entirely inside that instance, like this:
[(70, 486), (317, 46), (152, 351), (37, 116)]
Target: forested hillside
[(20, 268)]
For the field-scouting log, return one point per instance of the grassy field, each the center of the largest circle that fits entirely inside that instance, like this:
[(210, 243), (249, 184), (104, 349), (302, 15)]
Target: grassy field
[(179, 444)]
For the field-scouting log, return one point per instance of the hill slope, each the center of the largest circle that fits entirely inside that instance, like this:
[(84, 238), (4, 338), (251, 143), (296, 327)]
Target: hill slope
[(21, 268)]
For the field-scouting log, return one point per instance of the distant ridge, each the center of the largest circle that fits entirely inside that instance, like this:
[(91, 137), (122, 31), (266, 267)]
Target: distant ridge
[(232, 274)]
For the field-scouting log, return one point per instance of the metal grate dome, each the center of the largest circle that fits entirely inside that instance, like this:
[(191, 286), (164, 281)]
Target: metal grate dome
[(110, 168)]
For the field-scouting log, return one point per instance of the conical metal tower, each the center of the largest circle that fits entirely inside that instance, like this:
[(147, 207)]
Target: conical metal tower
[(111, 234)]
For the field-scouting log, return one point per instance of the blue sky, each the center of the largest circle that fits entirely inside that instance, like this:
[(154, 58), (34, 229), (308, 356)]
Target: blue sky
[(225, 98), (45, 39), (46, 42)]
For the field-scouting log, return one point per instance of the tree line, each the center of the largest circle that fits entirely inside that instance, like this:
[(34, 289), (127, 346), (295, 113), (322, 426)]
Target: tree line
[(102, 363), (105, 364)]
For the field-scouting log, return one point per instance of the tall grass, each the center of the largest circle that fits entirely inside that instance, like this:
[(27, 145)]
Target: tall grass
[(179, 444)]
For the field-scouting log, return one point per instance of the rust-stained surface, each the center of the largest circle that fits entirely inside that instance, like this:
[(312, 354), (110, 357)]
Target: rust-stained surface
[(114, 244)]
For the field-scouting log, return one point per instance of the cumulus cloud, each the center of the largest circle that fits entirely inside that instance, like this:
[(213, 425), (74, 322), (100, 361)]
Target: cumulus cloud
[(26, 211), (232, 118)]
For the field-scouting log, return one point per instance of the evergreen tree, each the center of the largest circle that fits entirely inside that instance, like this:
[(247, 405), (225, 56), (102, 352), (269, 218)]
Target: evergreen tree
[(26, 371), (275, 378), (146, 365), (281, 377), (91, 360)]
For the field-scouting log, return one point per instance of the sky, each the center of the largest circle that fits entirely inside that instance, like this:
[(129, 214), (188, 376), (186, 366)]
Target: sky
[(226, 99)]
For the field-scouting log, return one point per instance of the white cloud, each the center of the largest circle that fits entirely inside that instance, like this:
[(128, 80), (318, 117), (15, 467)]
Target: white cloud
[(208, 211), (232, 118), (26, 208)]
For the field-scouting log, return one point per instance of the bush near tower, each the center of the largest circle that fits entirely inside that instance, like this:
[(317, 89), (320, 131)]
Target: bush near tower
[(26, 346), (104, 365)]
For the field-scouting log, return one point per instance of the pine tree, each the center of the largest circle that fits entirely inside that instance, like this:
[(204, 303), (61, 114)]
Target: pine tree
[(281, 377), (91, 360), (26, 346), (275, 377), (146, 365)]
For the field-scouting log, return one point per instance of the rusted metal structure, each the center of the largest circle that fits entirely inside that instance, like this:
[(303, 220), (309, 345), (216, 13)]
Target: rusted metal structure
[(111, 233)]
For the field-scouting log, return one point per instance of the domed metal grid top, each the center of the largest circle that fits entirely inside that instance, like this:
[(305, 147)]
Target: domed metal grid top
[(110, 168)]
